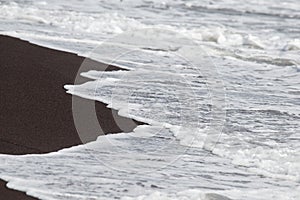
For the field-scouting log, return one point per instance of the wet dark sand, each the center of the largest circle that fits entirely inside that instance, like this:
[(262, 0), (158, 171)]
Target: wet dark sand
[(35, 111)]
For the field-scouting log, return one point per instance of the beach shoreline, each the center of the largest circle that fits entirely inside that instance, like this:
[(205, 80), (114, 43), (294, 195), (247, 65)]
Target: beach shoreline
[(36, 112)]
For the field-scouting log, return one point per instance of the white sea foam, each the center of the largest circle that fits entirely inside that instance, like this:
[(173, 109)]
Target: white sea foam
[(194, 194), (115, 87), (293, 45)]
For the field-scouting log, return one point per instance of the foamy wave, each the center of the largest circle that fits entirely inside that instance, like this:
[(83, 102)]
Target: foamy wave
[(69, 20), (282, 163), (293, 45)]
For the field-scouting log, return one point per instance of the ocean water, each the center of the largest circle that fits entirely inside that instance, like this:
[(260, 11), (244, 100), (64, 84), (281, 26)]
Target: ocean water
[(217, 82)]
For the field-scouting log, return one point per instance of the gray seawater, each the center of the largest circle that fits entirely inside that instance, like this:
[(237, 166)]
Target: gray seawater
[(218, 82)]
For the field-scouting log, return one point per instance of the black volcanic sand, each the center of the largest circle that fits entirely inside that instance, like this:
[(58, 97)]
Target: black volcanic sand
[(35, 111)]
